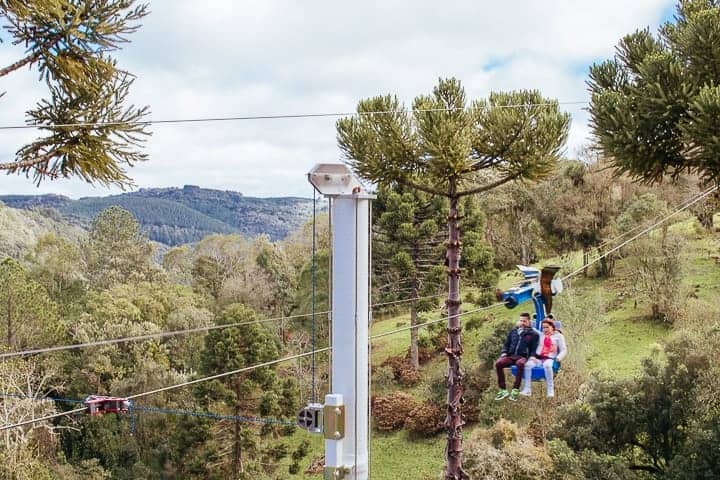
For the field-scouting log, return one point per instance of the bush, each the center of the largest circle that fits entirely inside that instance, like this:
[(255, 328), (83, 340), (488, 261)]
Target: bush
[(477, 381), (474, 322), (403, 371), (383, 378), (515, 460), (426, 419), (503, 433), (390, 411), (587, 465), (424, 354), (438, 336)]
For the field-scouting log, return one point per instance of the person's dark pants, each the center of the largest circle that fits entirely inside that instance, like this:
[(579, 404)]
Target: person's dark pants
[(504, 362)]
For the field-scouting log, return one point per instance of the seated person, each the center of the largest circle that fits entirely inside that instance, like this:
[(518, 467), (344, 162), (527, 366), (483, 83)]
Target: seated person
[(521, 342), (551, 348)]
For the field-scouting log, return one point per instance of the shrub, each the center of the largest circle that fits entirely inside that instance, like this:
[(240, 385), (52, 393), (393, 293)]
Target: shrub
[(403, 371), (490, 346), (383, 378), (424, 354), (390, 411), (476, 380), (515, 460), (503, 433), (426, 419), (474, 322)]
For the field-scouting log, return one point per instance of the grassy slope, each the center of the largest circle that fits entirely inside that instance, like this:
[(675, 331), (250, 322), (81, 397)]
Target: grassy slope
[(612, 342)]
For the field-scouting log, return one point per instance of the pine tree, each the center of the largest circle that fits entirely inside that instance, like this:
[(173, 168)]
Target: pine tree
[(655, 105), (90, 131), (443, 147)]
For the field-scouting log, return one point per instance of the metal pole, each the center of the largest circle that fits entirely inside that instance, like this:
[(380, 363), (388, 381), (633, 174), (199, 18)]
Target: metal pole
[(350, 300)]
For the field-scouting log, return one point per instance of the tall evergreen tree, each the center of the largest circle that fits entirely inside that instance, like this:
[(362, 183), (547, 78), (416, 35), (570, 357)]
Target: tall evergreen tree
[(28, 317), (90, 131), (234, 348), (655, 105), (117, 251), (443, 148)]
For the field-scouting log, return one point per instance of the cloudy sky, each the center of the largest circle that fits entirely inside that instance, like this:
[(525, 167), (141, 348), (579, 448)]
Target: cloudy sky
[(228, 58)]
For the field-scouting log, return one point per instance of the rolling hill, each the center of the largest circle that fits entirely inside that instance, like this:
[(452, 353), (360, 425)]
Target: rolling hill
[(174, 216)]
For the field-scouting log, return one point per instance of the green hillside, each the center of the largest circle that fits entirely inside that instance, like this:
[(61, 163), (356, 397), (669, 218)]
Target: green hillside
[(173, 216), (609, 334), (20, 229)]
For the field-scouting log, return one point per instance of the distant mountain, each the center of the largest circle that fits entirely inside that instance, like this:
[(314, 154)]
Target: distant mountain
[(180, 215)]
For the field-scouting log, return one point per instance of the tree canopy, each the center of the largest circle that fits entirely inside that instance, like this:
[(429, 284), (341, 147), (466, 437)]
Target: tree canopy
[(88, 129), (655, 104)]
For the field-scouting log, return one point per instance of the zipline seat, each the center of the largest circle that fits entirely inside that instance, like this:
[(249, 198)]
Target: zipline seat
[(538, 372), (101, 404)]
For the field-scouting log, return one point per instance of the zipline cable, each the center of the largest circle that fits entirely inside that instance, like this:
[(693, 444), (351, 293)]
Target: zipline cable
[(408, 300), (431, 322), (226, 374), (643, 232), (272, 117), (149, 336), (634, 229), (186, 413), (235, 372), (159, 335), (42, 419)]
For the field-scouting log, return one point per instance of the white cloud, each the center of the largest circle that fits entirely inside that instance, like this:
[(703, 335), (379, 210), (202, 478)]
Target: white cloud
[(238, 58)]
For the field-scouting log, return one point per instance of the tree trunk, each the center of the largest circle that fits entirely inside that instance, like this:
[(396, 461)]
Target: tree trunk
[(10, 333), (414, 357), (237, 466), (524, 250), (454, 419)]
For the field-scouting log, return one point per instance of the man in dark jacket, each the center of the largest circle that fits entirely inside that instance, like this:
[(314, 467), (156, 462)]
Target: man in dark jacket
[(522, 341)]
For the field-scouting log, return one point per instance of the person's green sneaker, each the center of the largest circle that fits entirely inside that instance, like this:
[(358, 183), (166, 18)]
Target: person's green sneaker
[(501, 394), (514, 393)]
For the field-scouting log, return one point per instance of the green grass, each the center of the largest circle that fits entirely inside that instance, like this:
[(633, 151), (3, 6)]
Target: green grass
[(396, 457), (393, 456), (617, 348)]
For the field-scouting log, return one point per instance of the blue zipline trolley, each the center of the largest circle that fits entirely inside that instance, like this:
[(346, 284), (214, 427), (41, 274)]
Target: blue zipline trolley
[(537, 286)]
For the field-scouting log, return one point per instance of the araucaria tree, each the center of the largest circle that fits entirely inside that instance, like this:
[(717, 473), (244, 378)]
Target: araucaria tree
[(444, 147), (655, 105), (89, 130)]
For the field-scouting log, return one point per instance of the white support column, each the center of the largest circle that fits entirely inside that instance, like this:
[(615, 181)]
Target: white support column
[(350, 301), (345, 414)]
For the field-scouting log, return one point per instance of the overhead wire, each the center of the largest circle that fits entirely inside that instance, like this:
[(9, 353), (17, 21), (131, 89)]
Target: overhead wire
[(637, 227), (160, 335), (643, 232), (237, 371), (149, 336), (140, 408), (431, 322), (272, 117)]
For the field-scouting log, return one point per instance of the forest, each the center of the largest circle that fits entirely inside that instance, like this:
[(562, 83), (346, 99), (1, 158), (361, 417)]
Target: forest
[(632, 408)]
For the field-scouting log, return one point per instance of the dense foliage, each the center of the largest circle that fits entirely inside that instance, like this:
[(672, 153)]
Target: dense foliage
[(70, 44), (655, 104)]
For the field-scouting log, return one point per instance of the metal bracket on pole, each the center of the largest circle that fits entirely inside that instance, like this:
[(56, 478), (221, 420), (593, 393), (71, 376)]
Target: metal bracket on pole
[(335, 473), (334, 426)]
